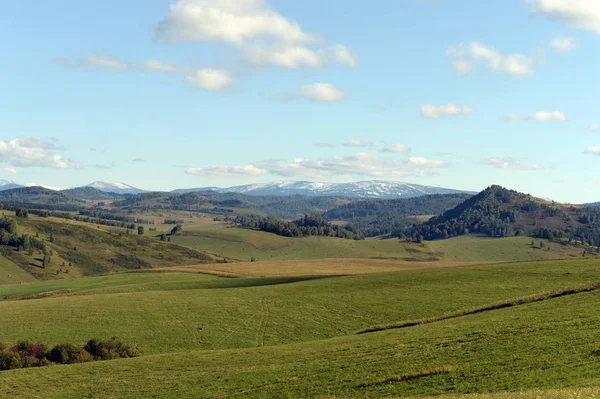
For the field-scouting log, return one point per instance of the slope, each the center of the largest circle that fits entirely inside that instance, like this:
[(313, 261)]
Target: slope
[(532, 348)]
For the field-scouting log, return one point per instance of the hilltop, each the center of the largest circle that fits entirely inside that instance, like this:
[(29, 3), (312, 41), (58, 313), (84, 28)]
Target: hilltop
[(499, 212)]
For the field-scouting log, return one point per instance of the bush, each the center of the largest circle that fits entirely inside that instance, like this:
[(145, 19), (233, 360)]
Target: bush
[(9, 360), (111, 349), (27, 354), (63, 353)]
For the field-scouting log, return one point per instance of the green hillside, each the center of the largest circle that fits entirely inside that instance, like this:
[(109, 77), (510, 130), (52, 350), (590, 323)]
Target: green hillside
[(10, 273), (298, 339), (79, 249), (243, 244)]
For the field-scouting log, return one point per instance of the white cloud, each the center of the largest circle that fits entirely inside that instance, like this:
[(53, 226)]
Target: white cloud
[(593, 128), (463, 67), (295, 56), (549, 116), (361, 165), (358, 144), (30, 152), (396, 149), (12, 171), (226, 171), (96, 61), (154, 65), (510, 164), (286, 56), (424, 162), (563, 44), (138, 160), (322, 92), (344, 56), (517, 65), (265, 37), (443, 111), (582, 14), (233, 21), (594, 150), (210, 79)]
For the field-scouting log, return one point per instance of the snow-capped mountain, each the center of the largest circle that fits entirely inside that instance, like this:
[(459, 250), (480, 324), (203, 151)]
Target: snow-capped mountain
[(118, 188), (363, 189), (8, 185)]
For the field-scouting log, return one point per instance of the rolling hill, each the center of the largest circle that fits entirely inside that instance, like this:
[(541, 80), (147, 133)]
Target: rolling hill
[(389, 217), (498, 212)]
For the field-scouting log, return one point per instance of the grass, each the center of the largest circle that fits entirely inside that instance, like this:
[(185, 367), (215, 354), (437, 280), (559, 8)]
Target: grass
[(316, 267), (243, 244), (474, 248), (537, 347), (84, 249), (10, 273), (170, 312)]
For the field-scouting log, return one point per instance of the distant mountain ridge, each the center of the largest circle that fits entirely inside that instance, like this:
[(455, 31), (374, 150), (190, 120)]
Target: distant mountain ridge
[(117, 188), (364, 189), (9, 185), (371, 189)]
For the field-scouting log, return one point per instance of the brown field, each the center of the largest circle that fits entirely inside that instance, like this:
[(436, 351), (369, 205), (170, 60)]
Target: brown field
[(318, 267)]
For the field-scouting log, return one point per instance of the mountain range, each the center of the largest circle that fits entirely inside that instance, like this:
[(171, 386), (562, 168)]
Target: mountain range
[(364, 189)]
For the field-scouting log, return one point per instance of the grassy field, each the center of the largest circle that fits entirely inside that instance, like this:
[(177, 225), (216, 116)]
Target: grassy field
[(532, 348), (243, 244), (167, 312), (10, 273), (84, 249)]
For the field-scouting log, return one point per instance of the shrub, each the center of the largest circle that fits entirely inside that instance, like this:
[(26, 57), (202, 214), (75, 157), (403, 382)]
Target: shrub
[(63, 353), (110, 349), (9, 360)]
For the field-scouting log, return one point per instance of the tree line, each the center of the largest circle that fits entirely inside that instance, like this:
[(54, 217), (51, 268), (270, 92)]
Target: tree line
[(307, 226)]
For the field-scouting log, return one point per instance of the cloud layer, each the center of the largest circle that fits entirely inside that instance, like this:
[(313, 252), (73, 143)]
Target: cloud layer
[(263, 36), (360, 165), (582, 14), (34, 152), (510, 164), (467, 56)]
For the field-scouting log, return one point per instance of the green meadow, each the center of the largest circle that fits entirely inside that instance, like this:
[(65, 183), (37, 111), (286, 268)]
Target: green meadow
[(298, 339)]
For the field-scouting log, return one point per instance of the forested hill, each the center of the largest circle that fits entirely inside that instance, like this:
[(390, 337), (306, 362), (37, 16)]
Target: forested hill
[(390, 217), (498, 212)]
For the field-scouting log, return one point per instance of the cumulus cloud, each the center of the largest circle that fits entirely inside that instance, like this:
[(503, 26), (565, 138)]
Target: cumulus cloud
[(12, 171), (322, 92), (563, 44), (581, 14), (516, 64), (361, 165), (210, 79), (593, 150), (226, 171), (444, 111), (265, 37), (323, 145), (396, 149), (358, 144), (549, 116), (31, 152), (510, 164)]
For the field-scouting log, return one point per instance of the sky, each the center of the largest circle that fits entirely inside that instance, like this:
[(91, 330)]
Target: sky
[(165, 94)]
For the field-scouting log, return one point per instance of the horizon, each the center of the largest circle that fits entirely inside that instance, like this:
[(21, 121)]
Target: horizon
[(165, 96)]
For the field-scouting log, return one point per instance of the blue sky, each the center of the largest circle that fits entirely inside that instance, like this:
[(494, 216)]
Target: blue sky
[(165, 94)]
